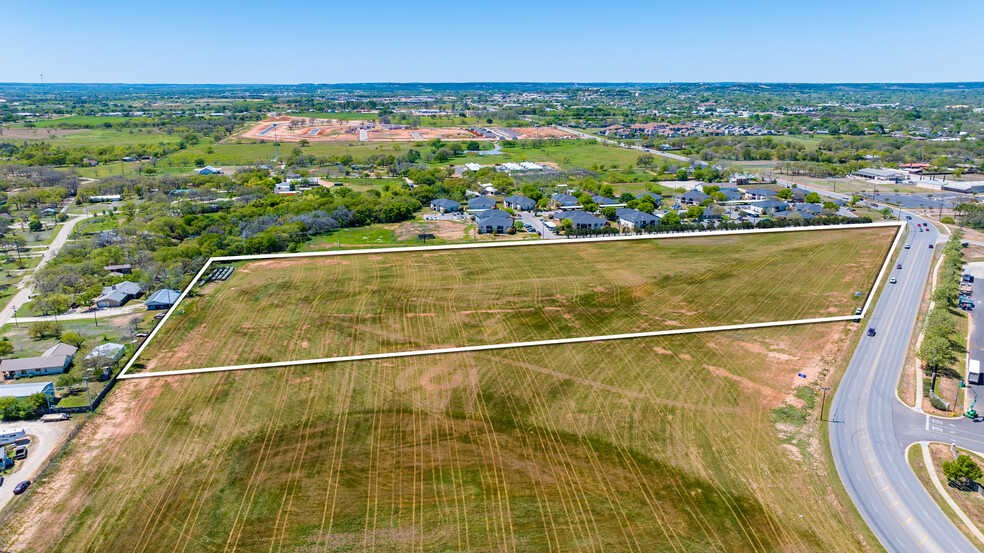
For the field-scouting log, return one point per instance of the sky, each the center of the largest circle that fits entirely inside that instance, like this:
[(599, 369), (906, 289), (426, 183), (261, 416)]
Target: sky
[(305, 41)]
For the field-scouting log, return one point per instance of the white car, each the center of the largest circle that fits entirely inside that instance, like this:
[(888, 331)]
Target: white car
[(907, 246), (893, 280)]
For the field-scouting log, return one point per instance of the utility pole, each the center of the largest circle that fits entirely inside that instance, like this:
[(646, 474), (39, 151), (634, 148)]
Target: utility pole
[(823, 402), (15, 316), (88, 398)]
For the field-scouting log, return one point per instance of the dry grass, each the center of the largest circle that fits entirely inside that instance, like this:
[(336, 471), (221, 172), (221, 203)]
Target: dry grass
[(643, 445), (289, 309)]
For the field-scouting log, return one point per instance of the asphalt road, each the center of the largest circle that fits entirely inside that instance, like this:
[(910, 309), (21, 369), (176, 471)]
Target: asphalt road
[(580, 134), (870, 427)]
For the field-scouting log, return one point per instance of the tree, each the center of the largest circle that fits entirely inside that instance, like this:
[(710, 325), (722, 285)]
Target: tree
[(671, 218), (73, 338), (830, 206), (936, 352), (35, 225), (813, 198), (964, 469), (785, 194), (608, 213), (695, 211), (6, 348), (681, 174), (887, 212), (44, 329)]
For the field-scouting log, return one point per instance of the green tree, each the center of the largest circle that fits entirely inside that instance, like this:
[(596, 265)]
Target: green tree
[(695, 211), (6, 348), (671, 218), (830, 206), (608, 213), (35, 225), (681, 174), (44, 329), (785, 194), (73, 338), (964, 469), (936, 352), (813, 198)]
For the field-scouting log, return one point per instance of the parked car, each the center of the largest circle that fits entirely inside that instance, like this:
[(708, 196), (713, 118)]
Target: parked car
[(871, 331), (22, 487), (857, 311), (141, 335), (20, 453)]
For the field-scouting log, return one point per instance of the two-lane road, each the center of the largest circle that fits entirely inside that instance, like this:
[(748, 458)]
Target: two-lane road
[(870, 427)]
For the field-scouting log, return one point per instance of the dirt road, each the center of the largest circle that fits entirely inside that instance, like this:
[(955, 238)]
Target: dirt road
[(48, 437)]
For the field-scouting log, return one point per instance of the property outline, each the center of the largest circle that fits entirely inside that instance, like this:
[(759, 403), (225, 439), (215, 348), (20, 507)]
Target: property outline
[(486, 347)]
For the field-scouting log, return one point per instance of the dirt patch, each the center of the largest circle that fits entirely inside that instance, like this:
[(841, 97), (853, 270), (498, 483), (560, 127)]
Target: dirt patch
[(444, 230), (22, 133)]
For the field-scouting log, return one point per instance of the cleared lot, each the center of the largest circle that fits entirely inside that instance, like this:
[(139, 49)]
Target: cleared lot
[(303, 308)]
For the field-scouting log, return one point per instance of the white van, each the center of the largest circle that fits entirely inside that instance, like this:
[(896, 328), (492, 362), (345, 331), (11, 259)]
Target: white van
[(974, 372)]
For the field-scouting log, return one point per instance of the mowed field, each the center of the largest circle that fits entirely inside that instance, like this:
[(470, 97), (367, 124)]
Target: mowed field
[(659, 444), (313, 308)]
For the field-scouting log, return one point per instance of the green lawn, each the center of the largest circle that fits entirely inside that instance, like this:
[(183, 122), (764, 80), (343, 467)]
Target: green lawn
[(385, 302)]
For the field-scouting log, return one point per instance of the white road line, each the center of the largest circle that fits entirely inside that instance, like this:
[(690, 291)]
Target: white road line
[(124, 375)]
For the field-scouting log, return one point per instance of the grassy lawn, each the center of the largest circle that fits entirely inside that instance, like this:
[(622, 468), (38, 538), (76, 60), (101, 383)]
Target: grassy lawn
[(644, 445), (970, 502), (419, 300)]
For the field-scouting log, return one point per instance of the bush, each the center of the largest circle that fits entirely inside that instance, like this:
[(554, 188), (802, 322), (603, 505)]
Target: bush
[(44, 329), (947, 220), (937, 403)]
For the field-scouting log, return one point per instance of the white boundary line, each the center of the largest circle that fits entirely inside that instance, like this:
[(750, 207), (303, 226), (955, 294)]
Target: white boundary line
[(888, 259)]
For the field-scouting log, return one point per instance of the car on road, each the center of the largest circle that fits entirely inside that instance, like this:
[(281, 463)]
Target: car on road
[(22, 487), (871, 331), (892, 280), (930, 246), (907, 246), (899, 266), (918, 224), (908, 216)]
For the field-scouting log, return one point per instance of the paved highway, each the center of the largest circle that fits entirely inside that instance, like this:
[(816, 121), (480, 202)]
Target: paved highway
[(623, 144), (870, 427)]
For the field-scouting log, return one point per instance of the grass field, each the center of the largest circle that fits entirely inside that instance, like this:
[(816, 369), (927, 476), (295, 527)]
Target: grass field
[(309, 308), (651, 445)]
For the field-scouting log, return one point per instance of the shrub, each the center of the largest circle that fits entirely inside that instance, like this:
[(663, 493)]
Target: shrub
[(937, 403)]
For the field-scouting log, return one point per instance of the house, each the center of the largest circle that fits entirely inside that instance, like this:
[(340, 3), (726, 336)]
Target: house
[(808, 208), (105, 354), (28, 389), (762, 206), (709, 213), (493, 221), (730, 195), (794, 214), (444, 205), (603, 201), (480, 203), (209, 170), (759, 193), (693, 197), (118, 294), (565, 201), (123, 269), (581, 220), (520, 203), (472, 166), (162, 299), (655, 198), (53, 360), (633, 218)]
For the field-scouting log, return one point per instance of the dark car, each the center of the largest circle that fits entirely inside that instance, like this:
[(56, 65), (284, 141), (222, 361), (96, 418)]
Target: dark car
[(930, 246), (908, 216), (22, 487), (899, 266), (871, 331)]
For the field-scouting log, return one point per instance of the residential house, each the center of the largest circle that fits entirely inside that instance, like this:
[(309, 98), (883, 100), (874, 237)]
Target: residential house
[(656, 198), (53, 360), (565, 201), (444, 205), (480, 203), (809, 208), (881, 175), (759, 193), (162, 299), (602, 201), (731, 195), (581, 220), (493, 221), (633, 218), (520, 203), (762, 207), (123, 269), (118, 294), (693, 197)]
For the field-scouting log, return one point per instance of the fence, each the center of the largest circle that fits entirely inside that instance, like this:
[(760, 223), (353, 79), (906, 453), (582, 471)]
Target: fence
[(95, 401)]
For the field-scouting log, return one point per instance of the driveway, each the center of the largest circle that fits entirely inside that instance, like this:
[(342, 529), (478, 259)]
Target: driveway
[(47, 438), (26, 285), (537, 223)]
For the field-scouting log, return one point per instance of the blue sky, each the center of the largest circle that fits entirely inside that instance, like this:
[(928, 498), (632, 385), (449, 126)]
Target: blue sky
[(249, 41)]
